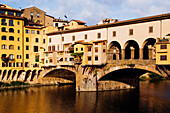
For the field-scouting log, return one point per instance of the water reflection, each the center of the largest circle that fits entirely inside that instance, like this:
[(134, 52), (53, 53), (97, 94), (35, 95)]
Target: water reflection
[(151, 97)]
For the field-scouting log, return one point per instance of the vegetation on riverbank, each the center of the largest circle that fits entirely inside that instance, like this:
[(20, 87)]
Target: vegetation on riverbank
[(152, 77), (13, 83)]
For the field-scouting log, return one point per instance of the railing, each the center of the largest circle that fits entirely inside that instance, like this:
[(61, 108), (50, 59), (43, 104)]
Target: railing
[(3, 23)]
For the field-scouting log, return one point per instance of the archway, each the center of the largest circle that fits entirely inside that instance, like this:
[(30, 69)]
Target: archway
[(131, 50), (4, 73), (62, 73), (39, 73), (27, 75), (13, 74), (9, 73), (19, 73), (149, 48), (33, 75), (114, 52)]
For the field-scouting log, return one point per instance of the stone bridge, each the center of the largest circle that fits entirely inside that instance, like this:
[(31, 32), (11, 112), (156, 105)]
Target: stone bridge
[(119, 74)]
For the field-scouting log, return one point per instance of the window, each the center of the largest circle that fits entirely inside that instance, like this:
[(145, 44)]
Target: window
[(96, 49), (151, 29), (85, 36), (11, 38), (2, 12), (36, 58), (96, 43), (27, 39), (3, 38), (18, 39), (43, 32), (104, 50), (26, 64), (3, 22), (35, 48), (89, 48), (53, 48), (163, 57), (49, 40), (96, 58), (56, 24), (98, 35), (10, 13), (46, 61), (18, 31), (104, 43), (38, 15), (27, 47), (73, 38), (18, 22), (46, 54), (3, 55), (18, 56), (62, 38), (49, 48), (130, 31), (51, 60), (18, 14), (36, 40), (27, 56), (11, 30), (44, 41), (11, 57), (3, 29), (32, 31), (11, 23), (27, 31), (81, 49), (114, 33), (89, 58), (31, 16), (18, 47), (163, 47), (58, 47), (38, 32), (76, 49), (11, 47), (4, 46)]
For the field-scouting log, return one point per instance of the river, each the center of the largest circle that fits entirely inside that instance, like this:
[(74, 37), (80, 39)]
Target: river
[(150, 98)]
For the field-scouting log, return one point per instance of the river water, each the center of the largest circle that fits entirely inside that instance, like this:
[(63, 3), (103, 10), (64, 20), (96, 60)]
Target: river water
[(150, 98)]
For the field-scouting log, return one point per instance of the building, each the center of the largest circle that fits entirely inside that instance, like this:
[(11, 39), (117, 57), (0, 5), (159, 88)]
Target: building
[(11, 35), (125, 40), (163, 51)]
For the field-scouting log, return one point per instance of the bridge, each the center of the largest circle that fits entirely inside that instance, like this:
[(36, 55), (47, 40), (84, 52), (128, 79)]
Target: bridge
[(118, 74)]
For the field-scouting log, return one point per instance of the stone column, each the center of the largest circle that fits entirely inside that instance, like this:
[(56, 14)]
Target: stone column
[(132, 52), (150, 52), (123, 54), (141, 53)]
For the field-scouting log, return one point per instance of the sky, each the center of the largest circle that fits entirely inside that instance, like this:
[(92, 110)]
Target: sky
[(93, 11)]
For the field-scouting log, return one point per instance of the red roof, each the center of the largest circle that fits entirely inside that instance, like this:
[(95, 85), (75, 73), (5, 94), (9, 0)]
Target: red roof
[(78, 21)]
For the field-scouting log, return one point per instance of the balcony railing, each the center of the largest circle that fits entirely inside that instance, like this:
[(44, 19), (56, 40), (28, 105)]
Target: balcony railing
[(3, 23)]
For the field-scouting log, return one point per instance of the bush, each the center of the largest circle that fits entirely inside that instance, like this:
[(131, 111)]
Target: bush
[(155, 77), (18, 83), (5, 84), (142, 78)]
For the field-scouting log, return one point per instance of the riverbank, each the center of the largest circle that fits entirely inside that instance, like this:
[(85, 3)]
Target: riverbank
[(152, 77)]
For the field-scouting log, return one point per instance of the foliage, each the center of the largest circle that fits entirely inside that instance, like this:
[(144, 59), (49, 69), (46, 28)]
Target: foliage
[(77, 54), (131, 65), (36, 21), (142, 78), (13, 83), (95, 74), (155, 77), (5, 84), (5, 59)]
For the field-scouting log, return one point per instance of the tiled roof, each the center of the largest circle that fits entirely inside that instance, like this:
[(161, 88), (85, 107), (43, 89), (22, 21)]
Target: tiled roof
[(78, 21), (120, 23), (4, 8)]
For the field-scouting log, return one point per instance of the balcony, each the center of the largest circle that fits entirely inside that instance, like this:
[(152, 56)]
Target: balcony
[(5, 24), (163, 40)]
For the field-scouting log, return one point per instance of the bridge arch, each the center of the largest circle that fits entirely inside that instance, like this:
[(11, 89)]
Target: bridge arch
[(61, 73), (131, 48), (148, 48), (27, 75)]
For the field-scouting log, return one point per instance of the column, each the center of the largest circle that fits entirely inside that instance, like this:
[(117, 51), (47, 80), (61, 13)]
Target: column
[(132, 52), (150, 52), (123, 54), (141, 53)]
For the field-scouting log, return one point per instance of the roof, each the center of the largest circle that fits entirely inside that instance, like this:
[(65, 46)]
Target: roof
[(8, 9), (82, 42), (49, 16), (12, 17), (33, 7), (60, 20), (120, 23), (97, 41), (33, 27), (78, 21)]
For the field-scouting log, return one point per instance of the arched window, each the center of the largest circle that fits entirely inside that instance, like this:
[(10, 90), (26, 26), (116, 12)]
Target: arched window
[(3, 55), (3, 38), (3, 29), (11, 57), (4, 46), (11, 38), (11, 46), (11, 23), (11, 30), (3, 22)]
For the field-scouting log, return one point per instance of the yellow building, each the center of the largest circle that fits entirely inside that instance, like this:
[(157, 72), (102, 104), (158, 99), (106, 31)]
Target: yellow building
[(163, 51), (11, 34), (33, 42)]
